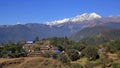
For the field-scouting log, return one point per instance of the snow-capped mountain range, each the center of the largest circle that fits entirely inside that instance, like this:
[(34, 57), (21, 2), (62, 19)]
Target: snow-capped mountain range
[(57, 28), (78, 18)]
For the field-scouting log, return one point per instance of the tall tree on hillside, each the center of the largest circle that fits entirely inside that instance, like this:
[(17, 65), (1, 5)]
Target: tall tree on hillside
[(36, 39)]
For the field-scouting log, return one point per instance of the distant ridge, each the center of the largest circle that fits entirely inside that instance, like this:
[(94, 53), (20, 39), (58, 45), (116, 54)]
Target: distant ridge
[(28, 31)]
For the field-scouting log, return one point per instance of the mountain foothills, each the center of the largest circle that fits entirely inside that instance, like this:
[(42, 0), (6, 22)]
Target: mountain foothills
[(77, 28), (97, 35)]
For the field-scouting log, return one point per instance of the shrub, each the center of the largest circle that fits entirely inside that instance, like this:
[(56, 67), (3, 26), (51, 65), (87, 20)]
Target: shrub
[(64, 58), (73, 54), (91, 53)]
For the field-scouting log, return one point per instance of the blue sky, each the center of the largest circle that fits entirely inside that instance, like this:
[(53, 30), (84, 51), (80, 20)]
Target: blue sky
[(40, 11)]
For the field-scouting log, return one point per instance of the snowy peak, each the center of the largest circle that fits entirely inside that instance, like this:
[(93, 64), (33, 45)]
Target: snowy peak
[(85, 16), (78, 18), (95, 15), (58, 22)]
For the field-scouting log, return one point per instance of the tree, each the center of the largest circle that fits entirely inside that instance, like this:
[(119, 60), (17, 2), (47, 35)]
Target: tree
[(1, 49), (36, 39), (91, 53), (79, 46), (65, 44), (12, 50), (60, 47), (73, 54), (21, 42)]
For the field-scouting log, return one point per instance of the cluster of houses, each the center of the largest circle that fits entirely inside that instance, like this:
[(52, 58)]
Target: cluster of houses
[(35, 49)]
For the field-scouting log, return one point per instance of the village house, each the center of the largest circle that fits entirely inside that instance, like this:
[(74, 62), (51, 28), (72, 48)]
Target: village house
[(47, 48), (30, 48)]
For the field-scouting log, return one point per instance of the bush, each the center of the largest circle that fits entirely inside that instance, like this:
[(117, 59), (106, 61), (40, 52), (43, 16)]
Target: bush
[(64, 58), (73, 54), (91, 53)]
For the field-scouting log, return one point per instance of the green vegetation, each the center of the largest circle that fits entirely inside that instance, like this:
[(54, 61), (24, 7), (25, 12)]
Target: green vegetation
[(12, 50), (64, 58), (116, 65), (73, 54), (114, 46), (91, 53), (82, 55)]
